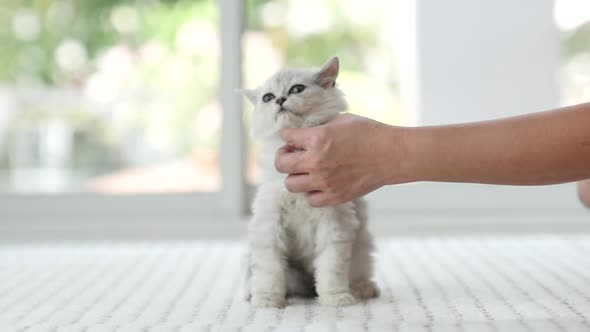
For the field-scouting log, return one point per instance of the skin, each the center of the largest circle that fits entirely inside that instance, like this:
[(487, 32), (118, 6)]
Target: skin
[(351, 156)]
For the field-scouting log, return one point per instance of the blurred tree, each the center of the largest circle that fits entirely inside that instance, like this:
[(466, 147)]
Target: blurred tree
[(577, 42), (31, 31), (155, 69)]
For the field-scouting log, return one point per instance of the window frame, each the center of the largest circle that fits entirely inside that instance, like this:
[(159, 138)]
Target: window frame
[(228, 202)]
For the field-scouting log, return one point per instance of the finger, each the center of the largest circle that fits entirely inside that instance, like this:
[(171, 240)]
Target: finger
[(297, 137), (300, 183), (318, 198), (291, 162)]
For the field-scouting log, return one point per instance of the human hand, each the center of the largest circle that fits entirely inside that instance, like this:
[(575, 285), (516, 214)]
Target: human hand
[(339, 161)]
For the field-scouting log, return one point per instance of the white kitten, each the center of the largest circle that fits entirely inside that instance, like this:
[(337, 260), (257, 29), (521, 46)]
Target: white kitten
[(296, 249)]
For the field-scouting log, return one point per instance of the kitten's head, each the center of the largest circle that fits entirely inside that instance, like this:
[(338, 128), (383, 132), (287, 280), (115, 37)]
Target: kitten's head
[(295, 98)]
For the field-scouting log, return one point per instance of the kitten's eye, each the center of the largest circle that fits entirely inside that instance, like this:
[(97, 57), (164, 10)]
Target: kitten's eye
[(268, 97), (297, 88)]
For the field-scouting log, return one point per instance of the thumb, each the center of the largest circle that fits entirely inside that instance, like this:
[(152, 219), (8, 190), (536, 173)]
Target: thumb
[(297, 137)]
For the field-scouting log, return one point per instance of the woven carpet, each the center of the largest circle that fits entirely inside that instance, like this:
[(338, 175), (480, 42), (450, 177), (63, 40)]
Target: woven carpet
[(428, 284)]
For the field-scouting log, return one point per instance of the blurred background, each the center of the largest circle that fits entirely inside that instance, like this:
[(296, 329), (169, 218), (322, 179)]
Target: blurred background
[(121, 96), (112, 97)]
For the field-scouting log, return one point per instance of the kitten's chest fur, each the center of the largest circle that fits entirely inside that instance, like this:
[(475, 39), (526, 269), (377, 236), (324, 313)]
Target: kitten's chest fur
[(304, 228), (299, 222)]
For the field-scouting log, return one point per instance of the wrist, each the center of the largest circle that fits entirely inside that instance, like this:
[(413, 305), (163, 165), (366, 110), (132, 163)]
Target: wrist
[(427, 157), (403, 161), (411, 164)]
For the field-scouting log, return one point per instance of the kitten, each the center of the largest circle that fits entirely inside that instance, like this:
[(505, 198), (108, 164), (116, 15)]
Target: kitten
[(296, 249)]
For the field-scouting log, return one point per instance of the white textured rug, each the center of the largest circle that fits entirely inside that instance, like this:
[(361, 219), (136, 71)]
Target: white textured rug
[(431, 284)]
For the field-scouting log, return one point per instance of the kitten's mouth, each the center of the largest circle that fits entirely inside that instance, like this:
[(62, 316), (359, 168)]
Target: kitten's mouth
[(282, 109)]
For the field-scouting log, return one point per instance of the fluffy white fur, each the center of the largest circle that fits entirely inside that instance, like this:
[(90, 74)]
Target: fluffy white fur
[(296, 249)]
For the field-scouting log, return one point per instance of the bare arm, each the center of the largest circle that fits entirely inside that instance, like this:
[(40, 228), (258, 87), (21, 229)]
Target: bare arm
[(534, 149), (352, 156)]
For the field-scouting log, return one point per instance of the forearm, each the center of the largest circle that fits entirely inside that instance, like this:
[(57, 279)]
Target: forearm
[(535, 149)]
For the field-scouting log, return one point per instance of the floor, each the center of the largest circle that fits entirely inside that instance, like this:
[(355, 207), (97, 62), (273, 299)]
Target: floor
[(468, 283)]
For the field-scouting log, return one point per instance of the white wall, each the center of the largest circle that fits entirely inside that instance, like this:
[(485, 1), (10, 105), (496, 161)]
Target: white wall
[(471, 60), (484, 59)]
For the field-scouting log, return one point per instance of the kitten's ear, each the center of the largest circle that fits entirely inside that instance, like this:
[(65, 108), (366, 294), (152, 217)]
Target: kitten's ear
[(251, 94), (326, 77)]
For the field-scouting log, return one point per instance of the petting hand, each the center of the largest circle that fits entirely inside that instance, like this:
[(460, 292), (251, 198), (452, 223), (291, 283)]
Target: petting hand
[(339, 161)]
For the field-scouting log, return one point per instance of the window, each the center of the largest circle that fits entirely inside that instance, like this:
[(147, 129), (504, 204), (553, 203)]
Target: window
[(281, 33), (101, 98), (572, 18), (109, 97)]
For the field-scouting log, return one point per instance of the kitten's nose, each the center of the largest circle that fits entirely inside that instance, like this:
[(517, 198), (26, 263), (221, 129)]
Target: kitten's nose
[(281, 100)]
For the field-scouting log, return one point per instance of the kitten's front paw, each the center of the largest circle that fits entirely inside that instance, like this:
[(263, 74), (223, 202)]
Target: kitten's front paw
[(268, 300), (336, 299), (364, 289)]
